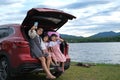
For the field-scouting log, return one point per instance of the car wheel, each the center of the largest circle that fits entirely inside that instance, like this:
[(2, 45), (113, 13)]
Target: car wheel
[(4, 71)]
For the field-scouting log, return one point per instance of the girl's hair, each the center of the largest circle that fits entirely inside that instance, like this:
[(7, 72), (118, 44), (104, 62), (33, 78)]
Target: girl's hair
[(45, 35), (53, 35)]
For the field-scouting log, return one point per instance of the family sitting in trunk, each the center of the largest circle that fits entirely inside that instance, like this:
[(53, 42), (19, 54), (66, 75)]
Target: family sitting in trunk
[(45, 49)]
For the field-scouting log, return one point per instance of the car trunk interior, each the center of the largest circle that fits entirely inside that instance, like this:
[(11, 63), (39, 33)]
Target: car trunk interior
[(46, 29)]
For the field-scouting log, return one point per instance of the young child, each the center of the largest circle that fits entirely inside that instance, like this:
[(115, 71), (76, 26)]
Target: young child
[(55, 48), (47, 50)]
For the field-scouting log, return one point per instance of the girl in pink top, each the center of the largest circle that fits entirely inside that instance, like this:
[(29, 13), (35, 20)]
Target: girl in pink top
[(55, 48)]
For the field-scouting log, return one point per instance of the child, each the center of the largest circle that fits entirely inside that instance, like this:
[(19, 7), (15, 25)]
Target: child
[(55, 48), (47, 50)]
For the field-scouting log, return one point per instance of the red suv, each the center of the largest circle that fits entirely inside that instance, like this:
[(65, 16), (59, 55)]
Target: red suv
[(14, 42)]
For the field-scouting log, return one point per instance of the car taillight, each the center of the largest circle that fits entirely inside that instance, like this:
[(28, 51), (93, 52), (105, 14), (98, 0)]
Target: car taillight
[(21, 44), (66, 49)]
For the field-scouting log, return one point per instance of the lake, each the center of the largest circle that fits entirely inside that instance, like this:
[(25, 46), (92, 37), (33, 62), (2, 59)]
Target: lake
[(95, 52)]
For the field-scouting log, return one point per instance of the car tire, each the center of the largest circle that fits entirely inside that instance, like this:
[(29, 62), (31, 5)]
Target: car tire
[(4, 69)]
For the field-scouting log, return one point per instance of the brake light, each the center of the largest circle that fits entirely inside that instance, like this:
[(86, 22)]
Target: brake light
[(21, 44)]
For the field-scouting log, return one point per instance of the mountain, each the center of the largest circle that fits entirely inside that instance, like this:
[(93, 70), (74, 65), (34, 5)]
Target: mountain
[(70, 36), (100, 37), (105, 34)]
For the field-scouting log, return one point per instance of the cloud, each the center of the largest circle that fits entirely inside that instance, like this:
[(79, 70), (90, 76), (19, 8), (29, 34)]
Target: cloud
[(78, 31), (105, 12), (90, 29), (78, 5), (43, 6), (104, 17), (9, 2), (58, 3), (93, 16)]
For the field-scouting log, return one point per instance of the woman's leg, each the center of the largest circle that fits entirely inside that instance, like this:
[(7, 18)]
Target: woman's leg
[(49, 75)]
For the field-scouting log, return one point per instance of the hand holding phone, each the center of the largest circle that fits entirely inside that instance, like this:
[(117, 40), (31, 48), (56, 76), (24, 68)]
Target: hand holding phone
[(36, 24)]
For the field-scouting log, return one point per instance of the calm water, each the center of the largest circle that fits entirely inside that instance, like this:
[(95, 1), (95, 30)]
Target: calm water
[(95, 52)]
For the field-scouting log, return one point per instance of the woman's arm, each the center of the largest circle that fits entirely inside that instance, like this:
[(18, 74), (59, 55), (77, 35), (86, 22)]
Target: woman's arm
[(32, 33)]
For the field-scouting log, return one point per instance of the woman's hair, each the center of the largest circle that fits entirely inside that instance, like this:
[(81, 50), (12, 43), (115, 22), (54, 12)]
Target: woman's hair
[(39, 29)]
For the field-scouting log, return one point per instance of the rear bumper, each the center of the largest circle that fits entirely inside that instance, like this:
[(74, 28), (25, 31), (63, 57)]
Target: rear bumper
[(30, 68), (25, 68), (36, 67)]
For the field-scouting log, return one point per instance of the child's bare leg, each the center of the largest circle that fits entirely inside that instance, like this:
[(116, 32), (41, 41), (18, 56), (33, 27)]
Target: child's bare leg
[(48, 62), (63, 66), (54, 61), (49, 75)]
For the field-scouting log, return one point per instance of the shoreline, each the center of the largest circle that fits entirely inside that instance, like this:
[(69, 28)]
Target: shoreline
[(75, 62)]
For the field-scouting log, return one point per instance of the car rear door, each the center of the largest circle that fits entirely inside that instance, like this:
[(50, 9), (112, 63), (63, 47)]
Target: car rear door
[(48, 19)]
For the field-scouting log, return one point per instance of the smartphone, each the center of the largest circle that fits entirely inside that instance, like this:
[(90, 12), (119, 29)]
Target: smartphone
[(36, 24)]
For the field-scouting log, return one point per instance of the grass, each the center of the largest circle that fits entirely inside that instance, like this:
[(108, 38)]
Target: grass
[(98, 72)]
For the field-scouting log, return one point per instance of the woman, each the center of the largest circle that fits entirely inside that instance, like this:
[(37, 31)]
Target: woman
[(37, 46)]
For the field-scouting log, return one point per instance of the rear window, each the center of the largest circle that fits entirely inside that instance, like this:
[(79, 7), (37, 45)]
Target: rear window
[(5, 32)]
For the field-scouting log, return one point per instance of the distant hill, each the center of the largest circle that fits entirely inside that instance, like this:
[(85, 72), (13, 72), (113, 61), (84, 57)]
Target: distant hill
[(70, 36), (105, 34), (100, 37)]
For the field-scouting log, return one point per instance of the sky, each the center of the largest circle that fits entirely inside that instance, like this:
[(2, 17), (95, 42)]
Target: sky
[(93, 16)]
